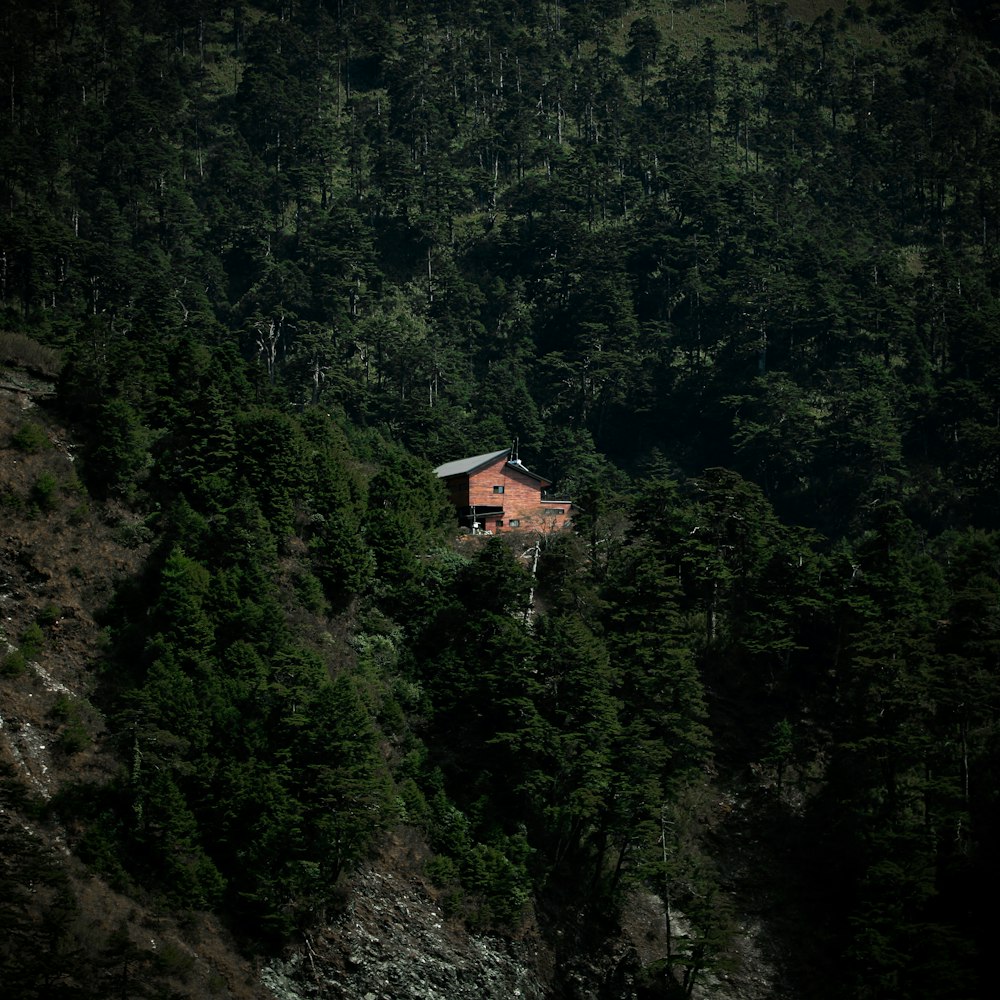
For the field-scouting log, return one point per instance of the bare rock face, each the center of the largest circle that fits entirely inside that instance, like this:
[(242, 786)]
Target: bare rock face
[(394, 943)]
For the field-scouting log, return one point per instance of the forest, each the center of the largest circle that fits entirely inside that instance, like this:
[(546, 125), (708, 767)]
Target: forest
[(730, 273)]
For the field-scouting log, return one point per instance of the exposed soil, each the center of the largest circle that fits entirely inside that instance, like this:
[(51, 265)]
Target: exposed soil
[(59, 564)]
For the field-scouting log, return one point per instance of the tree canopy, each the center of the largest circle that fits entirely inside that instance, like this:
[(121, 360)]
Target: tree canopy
[(729, 272)]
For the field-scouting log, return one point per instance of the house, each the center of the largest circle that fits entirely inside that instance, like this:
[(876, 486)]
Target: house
[(496, 492)]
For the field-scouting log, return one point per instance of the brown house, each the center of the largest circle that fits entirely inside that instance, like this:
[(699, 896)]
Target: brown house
[(495, 492)]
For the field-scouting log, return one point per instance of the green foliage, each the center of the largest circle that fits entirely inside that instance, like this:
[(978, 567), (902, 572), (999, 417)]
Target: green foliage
[(495, 582), (348, 791), (49, 615), (13, 664), (62, 709), (45, 493), (118, 453), (442, 870), (414, 807), (272, 461), (406, 514), (43, 950), (11, 501), (31, 438), (32, 640), (780, 749), (73, 736), (104, 812), (196, 457), (167, 837), (174, 960), (310, 592), (498, 886), (339, 556), (19, 349), (720, 283)]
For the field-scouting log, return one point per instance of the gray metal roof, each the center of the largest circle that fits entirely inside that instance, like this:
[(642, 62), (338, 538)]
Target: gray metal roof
[(467, 465)]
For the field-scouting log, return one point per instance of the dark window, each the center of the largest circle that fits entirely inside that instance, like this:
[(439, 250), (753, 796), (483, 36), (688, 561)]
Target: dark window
[(499, 524), (498, 489)]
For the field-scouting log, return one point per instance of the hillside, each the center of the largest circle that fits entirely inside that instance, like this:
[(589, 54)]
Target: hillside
[(66, 932), (64, 556), (727, 271)]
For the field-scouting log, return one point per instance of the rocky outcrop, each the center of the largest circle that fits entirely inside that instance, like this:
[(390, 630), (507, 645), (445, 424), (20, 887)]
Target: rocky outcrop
[(394, 943)]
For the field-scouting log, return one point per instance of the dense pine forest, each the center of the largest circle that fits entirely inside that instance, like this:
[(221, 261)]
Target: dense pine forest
[(730, 273)]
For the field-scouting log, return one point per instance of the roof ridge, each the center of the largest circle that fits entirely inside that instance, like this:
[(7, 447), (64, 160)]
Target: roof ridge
[(465, 465)]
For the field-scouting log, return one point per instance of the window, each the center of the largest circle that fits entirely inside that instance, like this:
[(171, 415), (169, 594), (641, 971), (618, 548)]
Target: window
[(553, 512), (499, 524), (515, 522), (498, 489)]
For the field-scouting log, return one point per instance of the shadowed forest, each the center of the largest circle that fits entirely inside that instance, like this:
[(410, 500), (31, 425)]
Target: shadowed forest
[(729, 271)]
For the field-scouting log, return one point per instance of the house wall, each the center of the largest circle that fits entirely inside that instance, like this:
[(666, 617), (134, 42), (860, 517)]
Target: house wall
[(521, 499), (518, 489)]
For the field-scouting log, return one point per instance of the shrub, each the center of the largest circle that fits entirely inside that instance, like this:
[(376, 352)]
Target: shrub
[(49, 615), (501, 888), (132, 534), (31, 438), (32, 639), (80, 513), (442, 870), (310, 592), (173, 960), (415, 808), (45, 493), (62, 709), (11, 501), (74, 737), (13, 664), (16, 348)]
